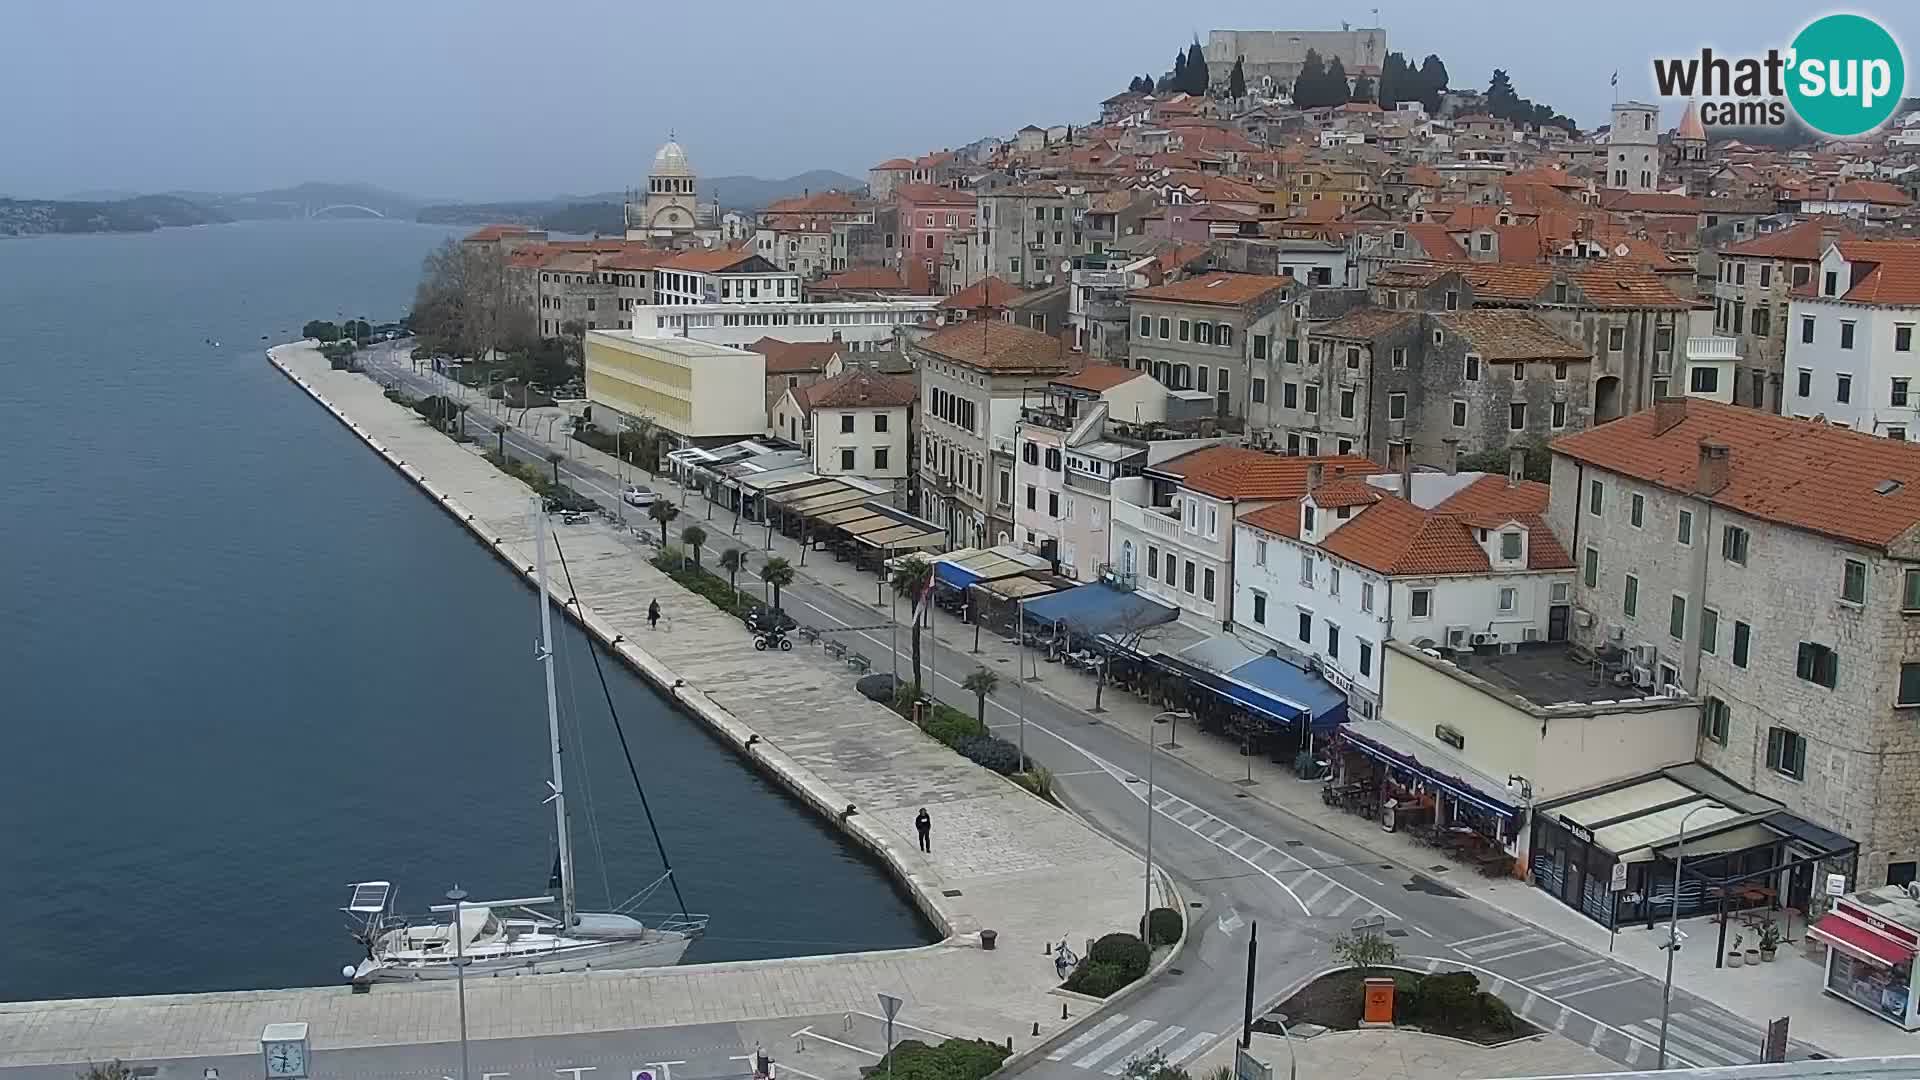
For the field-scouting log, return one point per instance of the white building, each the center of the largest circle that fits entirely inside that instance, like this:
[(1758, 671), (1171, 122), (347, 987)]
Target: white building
[(1712, 363), (723, 276), (1851, 355), (854, 424), (696, 391), (1633, 147), (1467, 562), (860, 325)]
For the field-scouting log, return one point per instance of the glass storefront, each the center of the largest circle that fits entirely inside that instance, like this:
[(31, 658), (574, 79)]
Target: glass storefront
[(1871, 986)]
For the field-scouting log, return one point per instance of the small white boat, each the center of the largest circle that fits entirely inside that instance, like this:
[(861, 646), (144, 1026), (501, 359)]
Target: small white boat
[(521, 936)]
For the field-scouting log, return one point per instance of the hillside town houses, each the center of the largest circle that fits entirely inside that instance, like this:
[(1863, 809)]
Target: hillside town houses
[(1545, 483)]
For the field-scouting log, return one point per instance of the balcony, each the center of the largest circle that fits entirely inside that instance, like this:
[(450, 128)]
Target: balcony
[(1003, 444), (1107, 310), (1146, 520), (1047, 418), (1093, 485)]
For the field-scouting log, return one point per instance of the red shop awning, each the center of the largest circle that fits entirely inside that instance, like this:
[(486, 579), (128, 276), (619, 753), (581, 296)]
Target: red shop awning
[(1860, 941)]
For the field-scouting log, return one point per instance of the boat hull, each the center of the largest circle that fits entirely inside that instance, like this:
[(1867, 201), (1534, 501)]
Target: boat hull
[(663, 950)]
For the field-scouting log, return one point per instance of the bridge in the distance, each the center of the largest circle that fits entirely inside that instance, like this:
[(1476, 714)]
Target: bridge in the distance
[(314, 212)]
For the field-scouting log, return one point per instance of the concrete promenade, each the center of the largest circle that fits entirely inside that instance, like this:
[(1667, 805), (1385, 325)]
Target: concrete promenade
[(1002, 859)]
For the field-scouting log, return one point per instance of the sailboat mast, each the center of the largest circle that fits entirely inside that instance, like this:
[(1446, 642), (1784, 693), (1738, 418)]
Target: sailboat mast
[(559, 798)]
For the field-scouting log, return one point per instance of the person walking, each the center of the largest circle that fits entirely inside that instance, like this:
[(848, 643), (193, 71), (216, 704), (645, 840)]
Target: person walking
[(924, 825), (653, 615)]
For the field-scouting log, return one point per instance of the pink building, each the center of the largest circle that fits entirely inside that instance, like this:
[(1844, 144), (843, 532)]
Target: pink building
[(928, 217)]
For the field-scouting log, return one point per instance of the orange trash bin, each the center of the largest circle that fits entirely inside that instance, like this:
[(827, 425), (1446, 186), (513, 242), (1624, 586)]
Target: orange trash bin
[(1379, 1001)]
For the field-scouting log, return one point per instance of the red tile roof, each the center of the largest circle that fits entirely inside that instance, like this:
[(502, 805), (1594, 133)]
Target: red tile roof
[(795, 357), (1238, 473), (1216, 288), (988, 292), (709, 260), (1877, 192), (1345, 491), (1393, 536), (1805, 240), (1892, 271), (1799, 473), (862, 388), (1510, 335), (892, 164), (1491, 501), (1101, 377), (1281, 519), (997, 346)]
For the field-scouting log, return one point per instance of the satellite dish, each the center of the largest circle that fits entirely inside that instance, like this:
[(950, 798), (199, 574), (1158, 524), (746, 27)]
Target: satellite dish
[(1066, 266)]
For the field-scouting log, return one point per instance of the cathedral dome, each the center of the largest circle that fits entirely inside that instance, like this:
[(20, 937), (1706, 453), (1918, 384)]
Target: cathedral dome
[(671, 160)]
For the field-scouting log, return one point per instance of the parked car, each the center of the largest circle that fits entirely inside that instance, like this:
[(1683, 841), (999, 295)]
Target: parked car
[(639, 495)]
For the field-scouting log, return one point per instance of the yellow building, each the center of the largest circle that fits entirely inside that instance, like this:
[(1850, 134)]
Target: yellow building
[(696, 390)]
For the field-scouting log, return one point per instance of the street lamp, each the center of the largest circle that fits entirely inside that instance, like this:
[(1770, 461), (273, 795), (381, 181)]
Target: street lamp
[(1147, 911), (459, 895), (1673, 928), (1293, 1059)]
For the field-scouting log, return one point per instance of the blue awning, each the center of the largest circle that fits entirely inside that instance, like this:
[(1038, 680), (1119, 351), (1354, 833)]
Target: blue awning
[(1297, 702), (1098, 608), (957, 577), (1397, 748), (1278, 678)]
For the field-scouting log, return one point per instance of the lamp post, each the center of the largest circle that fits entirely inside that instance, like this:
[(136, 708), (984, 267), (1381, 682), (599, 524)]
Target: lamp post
[(1147, 910), (1673, 928), (459, 895)]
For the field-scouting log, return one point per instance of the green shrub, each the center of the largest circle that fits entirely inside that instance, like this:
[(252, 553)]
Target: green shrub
[(950, 726), (1162, 927), (1126, 951), (954, 1059), (1097, 980), (1038, 779), (1450, 998), (989, 752), (714, 589)]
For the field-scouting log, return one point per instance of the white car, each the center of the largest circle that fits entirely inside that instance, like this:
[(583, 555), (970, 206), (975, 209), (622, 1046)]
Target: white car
[(639, 495)]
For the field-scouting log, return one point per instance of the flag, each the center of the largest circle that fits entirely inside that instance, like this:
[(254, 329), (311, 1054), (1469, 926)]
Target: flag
[(1616, 79)]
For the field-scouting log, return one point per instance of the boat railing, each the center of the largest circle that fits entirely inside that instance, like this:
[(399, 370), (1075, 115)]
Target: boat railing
[(683, 923)]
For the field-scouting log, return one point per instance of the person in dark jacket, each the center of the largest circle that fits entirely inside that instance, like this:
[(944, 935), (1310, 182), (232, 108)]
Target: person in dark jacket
[(653, 615), (924, 824)]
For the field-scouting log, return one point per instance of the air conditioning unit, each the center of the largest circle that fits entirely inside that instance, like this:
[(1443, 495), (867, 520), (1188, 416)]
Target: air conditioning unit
[(1508, 648), (1645, 656), (1643, 677), (1582, 618), (1616, 632), (1485, 639), (1457, 636), (1533, 633)]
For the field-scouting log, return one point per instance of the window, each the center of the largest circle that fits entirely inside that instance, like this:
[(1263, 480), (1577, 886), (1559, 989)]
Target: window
[(1713, 720), (1520, 371), (1742, 643), (1366, 596), (1053, 504), (1173, 569), (1366, 658), (1306, 626), (1853, 582), (1333, 580), (1396, 406), (1460, 414), (1289, 395), (1260, 609), (1683, 534), (1153, 562), (1630, 601), (846, 423), (1662, 339), (1787, 750), (1033, 497), (1400, 357), (1186, 329), (846, 459), (1806, 329), (1910, 591), (1510, 546), (1766, 275), (1517, 416), (1166, 329), (1596, 497), (1291, 353), (879, 422), (1843, 388), (1333, 641), (1592, 575), (1677, 618), (1346, 404), (1709, 630), (1353, 358), (1509, 598), (1306, 564), (1420, 604), (1206, 584), (1830, 283), (1312, 402), (1897, 433), (1186, 579), (1801, 275), (1903, 338), (1259, 390), (1453, 300), (1473, 368), (1898, 395), (1739, 273), (1202, 384), (1616, 338), (879, 459), (1704, 380), (1817, 664), (1909, 686), (1146, 326), (1803, 386), (1259, 346), (1223, 335), (1733, 544)]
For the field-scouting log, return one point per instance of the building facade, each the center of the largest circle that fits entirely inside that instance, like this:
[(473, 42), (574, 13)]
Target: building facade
[(669, 209), (862, 326), (1198, 333), (699, 393), (1851, 355)]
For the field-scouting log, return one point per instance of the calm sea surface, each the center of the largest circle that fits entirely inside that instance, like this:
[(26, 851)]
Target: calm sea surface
[(243, 663)]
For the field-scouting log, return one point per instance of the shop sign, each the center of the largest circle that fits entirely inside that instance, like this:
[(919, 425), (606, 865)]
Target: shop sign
[(1776, 1048), (1336, 678), (1580, 832), (1836, 884), (1451, 736), (1618, 881)]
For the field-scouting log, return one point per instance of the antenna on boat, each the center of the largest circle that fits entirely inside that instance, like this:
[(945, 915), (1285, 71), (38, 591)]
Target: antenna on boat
[(545, 655)]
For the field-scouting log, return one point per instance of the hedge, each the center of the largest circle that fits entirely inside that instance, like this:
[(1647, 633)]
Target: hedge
[(955, 1059), (1097, 980), (989, 752), (715, 589), (1125, 950), (1162, 927)]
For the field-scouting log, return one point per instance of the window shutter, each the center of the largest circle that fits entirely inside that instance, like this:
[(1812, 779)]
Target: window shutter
[(1775, 737)]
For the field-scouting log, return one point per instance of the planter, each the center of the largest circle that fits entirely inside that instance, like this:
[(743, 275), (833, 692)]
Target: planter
[(1735, 958), (1766, 955), (1753, 957)]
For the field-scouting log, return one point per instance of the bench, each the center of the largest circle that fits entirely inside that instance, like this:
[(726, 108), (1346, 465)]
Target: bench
[(859, 663), (835, 649), (809, 635)]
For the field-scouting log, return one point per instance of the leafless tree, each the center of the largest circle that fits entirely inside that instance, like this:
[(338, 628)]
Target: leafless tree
[(466, 305), (1128, 636)]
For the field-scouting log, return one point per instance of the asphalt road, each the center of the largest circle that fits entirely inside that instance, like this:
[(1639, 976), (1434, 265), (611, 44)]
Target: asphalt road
[(1239, 861)]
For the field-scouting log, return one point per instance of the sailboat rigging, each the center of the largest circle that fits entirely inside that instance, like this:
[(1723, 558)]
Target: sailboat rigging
[(520, 936)]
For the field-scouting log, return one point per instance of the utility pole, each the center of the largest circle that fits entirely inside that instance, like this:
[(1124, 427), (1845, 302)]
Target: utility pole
[(1246, 1021)]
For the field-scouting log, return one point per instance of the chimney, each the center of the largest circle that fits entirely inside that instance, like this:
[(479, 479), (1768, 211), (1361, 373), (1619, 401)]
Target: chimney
[(1406, 469), (1829, 236), (1452, 455), (1716, 468), (1667, 414), (1313, 474)]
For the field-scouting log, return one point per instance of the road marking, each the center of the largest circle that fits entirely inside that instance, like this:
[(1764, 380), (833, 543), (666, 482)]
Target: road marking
[(1324, 890), (1560, 1025), (1343, 905), (1587, 971), (1728, 1042), (808, 1032), (903, 1024), (1490, 958), (1602, 986), (1144, 1049), (1487, 937), (1648, 1032), (1191, 1047), (1112, 1045), (1498, 979), (1088, 1036)]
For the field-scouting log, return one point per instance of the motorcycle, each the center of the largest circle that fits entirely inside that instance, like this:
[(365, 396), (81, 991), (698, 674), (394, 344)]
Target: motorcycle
[(772, 639)]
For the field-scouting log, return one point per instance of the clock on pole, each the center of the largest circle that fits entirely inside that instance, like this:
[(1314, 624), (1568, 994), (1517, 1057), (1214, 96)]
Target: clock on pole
[(283, 1051)]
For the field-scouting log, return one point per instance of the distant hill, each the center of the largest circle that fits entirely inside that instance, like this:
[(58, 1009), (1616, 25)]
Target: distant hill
[(602, 212), (144, 213), (754, 193)]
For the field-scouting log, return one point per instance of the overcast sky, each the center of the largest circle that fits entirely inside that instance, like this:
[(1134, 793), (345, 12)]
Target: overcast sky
[(510, 98)]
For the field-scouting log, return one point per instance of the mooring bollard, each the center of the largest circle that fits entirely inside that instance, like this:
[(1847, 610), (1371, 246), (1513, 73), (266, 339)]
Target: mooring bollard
[(1036, 1029), (1063, 1010)]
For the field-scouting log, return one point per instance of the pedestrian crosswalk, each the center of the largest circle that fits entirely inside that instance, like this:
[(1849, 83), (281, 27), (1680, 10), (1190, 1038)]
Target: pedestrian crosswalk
[(1507, 944), (1109, 1045), (1704, 1037)]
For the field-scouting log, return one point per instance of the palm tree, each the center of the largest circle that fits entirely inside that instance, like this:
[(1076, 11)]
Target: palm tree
[(910, 581), (663, 512), (776, 572), (694, 536), (554, 459), (982, 682), (732, 560)]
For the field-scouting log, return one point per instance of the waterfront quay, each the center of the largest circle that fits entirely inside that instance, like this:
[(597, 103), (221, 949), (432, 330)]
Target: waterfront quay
[(1002, 860)]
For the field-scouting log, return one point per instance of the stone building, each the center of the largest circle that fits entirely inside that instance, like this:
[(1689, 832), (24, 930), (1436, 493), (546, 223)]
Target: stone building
[(1769, 568), (1274, 57), (1027, 231), (1200, 334), (1751, 284), (1633, 147)]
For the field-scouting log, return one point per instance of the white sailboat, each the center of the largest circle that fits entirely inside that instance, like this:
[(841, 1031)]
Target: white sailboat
[(520, 936)]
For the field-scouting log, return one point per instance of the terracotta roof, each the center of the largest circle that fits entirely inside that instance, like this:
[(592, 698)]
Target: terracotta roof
[(494, 232), (1282, 518), (1893, 276), (1878, 192), (1101, 377), (1346, 491), (997, 346), (710, 260), (988, 292), (1393, 536), (932, 195), (1648, 202), (862, 388), (1800, 473), (1803, 241), (1491, 501), (1510, 335), (1240, 473), (637, 259), (1365, 323), (892, 163), (795, 357), (1217, 288)]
